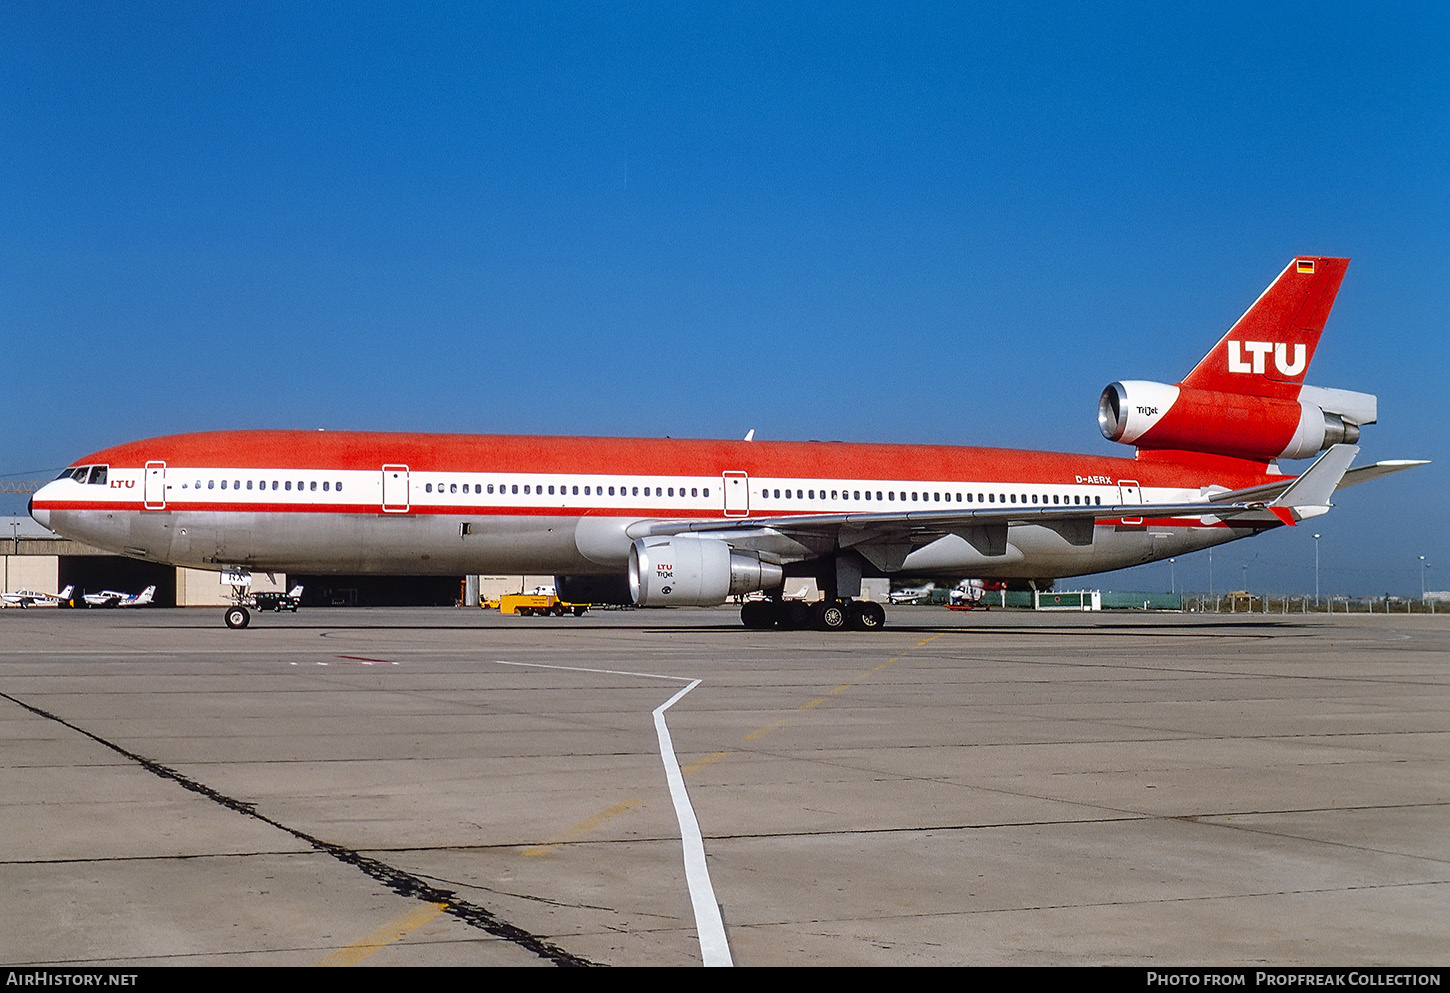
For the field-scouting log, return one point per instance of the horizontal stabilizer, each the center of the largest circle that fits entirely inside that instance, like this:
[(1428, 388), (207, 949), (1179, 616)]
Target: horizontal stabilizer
[(1364, 473)]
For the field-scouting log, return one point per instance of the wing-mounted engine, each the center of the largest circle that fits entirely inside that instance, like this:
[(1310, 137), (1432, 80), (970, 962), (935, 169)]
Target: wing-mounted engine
[(1238, 425), (691, 571)]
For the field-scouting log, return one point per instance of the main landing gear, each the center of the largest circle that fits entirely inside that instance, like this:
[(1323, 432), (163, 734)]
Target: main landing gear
[(238, 616), (824, 615)]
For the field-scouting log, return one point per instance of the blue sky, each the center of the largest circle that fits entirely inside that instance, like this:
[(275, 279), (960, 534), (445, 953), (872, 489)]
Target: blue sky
[(946, 223)]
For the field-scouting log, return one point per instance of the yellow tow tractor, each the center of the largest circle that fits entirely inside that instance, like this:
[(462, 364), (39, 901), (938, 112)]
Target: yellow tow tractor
[(538, 605)]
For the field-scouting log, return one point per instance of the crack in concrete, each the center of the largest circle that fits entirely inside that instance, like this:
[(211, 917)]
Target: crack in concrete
[(400, 882)]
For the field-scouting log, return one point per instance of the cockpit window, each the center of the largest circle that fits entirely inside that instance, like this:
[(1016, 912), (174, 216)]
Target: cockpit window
[(98, 475)]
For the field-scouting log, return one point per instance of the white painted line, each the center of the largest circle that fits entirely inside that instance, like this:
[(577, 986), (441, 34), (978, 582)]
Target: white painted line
[(714, 949)]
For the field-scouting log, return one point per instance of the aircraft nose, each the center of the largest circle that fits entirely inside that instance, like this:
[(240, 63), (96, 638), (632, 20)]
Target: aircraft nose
[(41, 517)]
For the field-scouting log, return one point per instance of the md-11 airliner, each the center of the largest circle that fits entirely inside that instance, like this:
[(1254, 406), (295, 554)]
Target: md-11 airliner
[(661, 522)]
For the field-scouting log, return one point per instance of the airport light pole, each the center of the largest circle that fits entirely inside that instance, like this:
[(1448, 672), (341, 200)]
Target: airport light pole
[(1423, 566), (1316, 570)]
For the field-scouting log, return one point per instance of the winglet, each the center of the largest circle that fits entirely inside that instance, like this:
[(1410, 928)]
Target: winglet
[(1308, 496)]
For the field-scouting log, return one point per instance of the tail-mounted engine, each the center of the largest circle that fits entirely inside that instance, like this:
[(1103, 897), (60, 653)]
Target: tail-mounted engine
[(1158, 416), (691, 571)]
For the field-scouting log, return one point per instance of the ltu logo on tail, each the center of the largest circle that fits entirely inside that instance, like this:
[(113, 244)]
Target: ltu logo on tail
[(1258, 349)]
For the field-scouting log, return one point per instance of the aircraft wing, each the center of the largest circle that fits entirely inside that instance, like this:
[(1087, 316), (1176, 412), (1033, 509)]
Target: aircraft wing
[(886, 538)]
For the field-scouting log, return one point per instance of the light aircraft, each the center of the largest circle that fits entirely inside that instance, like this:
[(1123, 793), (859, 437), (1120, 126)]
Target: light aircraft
[(662, 522), (29, 598), (111, 598), (910, 594)]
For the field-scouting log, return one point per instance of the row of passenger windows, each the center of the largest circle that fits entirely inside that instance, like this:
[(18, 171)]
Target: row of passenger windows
[(918, 496), (887, 496), (530, 489), (282, 485), (97, 475)]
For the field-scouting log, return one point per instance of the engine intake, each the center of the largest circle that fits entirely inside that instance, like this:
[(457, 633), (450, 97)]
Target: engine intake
[(691, 571)]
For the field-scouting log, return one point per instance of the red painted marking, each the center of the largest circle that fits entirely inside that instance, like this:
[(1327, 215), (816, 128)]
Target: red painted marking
[(517, 455)]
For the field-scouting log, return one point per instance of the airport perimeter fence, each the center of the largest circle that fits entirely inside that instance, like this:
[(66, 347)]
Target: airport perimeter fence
[(1231, 603)]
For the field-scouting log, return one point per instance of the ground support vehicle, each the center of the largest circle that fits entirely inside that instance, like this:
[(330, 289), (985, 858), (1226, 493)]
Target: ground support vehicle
[(538, 605)]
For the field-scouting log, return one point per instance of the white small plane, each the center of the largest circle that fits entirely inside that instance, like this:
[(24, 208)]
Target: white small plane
[(910, 594), (112, 598), (29, 598)]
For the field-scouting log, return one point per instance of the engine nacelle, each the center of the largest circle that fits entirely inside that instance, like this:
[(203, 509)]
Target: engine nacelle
[(691, 571), (1158, 416)]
